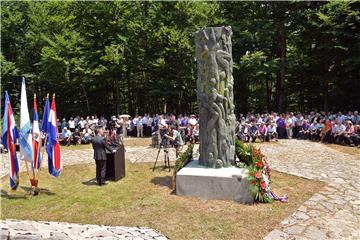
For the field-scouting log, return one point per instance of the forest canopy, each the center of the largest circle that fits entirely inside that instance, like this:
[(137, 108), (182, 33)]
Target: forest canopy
[(135, 57)]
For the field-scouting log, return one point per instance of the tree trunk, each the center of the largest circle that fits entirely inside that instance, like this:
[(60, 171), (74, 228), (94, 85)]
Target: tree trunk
[(86, 98), (268, 94), (280, 77)]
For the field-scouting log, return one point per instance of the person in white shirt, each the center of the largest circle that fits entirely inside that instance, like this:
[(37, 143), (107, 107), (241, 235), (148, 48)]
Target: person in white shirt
[(91, 122), (271, 132), (339, 131), (96, 121), (71, 124), (82, 123), (162, 123), (139, 127), (289, 126)]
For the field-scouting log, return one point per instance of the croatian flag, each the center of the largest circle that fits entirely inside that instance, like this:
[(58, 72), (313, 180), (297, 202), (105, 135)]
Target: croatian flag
[(9, 138), (36, 138), (53, 146), (26, 148)]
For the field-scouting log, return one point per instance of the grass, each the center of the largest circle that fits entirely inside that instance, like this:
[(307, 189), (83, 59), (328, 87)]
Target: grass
[(137, 142), (355, 151), (144, 198)]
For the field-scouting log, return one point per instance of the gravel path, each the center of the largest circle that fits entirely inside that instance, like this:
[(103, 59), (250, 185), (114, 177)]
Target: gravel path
[(333, 213)]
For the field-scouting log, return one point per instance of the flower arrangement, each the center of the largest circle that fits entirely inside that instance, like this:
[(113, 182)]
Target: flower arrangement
[(259, 175), (183, 159)]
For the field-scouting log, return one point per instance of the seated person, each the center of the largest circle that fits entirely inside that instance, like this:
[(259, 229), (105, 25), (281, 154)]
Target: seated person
[(355, 138), (325, 134), (315, 134), (338, 132), (253, 132), (304, 131), (349, 132), (66, 136), (245, 133), (76, 137), (271, 132), (86, 135), (262, 132), (312, 130)]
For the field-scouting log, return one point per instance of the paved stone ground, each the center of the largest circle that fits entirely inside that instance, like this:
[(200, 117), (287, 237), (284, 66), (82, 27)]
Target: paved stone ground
[(334, 212), (31, 230)]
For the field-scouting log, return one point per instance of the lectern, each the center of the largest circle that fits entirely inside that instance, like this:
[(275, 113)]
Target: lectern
[(115, 164)]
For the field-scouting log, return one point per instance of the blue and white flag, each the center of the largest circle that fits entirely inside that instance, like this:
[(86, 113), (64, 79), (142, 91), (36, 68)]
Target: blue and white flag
[(26, 149), (9, 138)]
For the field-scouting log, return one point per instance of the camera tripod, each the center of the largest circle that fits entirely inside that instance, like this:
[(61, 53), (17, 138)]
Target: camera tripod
[(165, 148)]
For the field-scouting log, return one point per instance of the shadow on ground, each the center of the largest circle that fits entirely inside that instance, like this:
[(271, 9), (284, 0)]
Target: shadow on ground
[(91, 182), (27, 191), (162, 181)]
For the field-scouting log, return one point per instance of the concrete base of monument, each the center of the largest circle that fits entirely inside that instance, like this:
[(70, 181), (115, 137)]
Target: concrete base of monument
[(222, 184)]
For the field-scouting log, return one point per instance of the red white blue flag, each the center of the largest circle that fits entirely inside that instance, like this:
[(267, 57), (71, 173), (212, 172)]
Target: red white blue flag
[(10, 135), (53, 146), (36, 138)]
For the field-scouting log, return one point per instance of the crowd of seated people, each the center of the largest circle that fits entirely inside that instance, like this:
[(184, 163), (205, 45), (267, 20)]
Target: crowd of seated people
[(80, 130), (326, 127)]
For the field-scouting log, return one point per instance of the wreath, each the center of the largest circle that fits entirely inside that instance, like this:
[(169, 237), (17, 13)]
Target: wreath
[(259, 176)]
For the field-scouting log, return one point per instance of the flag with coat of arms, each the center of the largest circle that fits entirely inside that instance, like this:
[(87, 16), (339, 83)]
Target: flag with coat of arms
[(53, 145), (9, 138)]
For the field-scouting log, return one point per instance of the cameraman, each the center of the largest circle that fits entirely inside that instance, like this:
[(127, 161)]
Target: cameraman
[(176, 139)]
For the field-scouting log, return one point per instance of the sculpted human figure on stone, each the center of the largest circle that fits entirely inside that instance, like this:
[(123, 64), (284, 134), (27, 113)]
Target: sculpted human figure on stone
[(215, 96)]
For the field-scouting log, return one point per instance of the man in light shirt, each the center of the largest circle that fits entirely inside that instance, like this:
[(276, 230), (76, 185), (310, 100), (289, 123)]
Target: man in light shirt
[(289, 126), (271, 132), (139, 127), (71, 124), (339, 129)]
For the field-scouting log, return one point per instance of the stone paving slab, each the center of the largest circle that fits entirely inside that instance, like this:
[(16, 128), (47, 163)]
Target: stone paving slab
[(33, 230), (334, 212)]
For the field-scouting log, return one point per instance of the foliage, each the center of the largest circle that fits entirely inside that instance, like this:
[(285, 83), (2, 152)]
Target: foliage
[(258, 171), (181, 162), (184, 158), (135, 57)]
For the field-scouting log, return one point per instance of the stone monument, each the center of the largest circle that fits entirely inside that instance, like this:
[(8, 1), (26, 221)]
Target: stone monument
[(213, 175), (215, 97)]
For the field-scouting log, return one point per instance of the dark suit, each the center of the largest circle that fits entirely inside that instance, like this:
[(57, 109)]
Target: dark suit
[(99, 146)]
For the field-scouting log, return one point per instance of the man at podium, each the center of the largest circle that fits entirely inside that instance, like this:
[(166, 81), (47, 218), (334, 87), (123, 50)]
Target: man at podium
[(99, 145)]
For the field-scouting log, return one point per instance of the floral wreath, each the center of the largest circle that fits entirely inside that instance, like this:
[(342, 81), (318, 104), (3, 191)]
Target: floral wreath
[(259, 175)]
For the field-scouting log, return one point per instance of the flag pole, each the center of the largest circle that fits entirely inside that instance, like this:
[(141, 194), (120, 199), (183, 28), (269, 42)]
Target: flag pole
[(46, 137), (27, 169), (33, 169)]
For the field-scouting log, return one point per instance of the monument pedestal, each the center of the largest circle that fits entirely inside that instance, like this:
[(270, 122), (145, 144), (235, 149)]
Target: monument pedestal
[(210, 183)]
